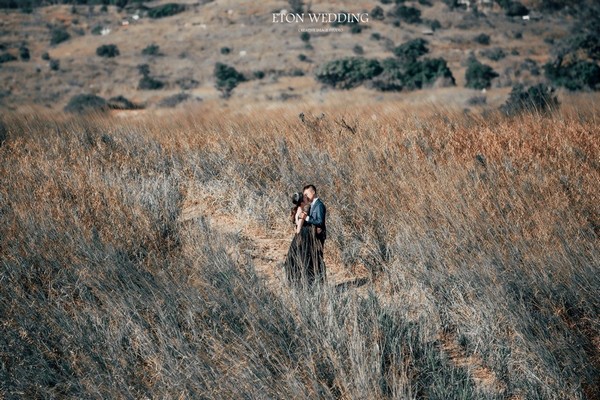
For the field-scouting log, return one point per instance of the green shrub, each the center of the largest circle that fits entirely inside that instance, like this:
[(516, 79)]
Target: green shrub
[(495, 54), (355, 29), (24, 53), (59, 35), (227, 78), (577, 75), (187, 83), (174, 100), (411, 75), (483, 39), (538, 98), (149, 83), (83, 103), (143, 69), (391, 79), (358, 50), (516, 9), (296, 6), (452, 4), (513, 8), (7, 57), (411, 50), (295, 72), (165, 10), (305, 37), (107, 51), (477, 101), (377, 13), (45, 56), (410, 15), (530, 65), (225, 50), (54, 64), (151, 50), (421, 73), (122, 103), (434, 24), (347, 73), (478, 75), (587, 42)]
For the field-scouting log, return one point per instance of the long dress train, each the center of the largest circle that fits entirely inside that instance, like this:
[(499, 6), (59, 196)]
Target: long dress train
[(304, 262)]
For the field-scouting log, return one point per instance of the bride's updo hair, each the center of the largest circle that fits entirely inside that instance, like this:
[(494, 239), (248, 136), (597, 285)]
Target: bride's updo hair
[(297, 198)]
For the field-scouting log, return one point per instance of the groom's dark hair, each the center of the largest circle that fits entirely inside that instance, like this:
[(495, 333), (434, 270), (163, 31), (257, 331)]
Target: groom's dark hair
[(310, 187)]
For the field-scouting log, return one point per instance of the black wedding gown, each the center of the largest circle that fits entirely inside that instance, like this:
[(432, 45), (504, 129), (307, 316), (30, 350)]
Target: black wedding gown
[(304, 262)]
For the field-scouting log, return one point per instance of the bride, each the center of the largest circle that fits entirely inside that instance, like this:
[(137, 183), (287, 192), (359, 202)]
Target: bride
[(302, 261)]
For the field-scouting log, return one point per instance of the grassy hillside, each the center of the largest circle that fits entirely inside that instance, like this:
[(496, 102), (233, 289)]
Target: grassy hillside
[(478, 238), (243, 35)]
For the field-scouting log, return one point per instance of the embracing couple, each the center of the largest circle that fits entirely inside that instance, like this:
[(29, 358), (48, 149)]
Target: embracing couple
[(304, 262)]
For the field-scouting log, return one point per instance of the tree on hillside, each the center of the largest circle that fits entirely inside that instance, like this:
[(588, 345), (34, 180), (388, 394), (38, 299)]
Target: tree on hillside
[(478, 75), (227, 78)]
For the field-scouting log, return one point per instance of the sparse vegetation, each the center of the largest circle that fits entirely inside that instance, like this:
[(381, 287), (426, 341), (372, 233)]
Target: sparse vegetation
[(108, 51)]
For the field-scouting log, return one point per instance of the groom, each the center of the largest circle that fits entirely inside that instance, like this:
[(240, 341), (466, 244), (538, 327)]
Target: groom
[(316, 217)]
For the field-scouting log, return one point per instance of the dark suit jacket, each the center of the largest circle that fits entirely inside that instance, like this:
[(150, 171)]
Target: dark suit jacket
[(317, 216)]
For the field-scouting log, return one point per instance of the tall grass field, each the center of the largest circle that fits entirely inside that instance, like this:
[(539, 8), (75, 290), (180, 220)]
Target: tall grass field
[(474, 241)]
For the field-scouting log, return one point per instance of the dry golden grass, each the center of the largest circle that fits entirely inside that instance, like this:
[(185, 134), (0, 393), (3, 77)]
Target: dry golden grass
[(479, 235)]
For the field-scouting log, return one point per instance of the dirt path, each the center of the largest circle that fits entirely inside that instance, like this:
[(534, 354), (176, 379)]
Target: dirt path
[(268, 248)]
